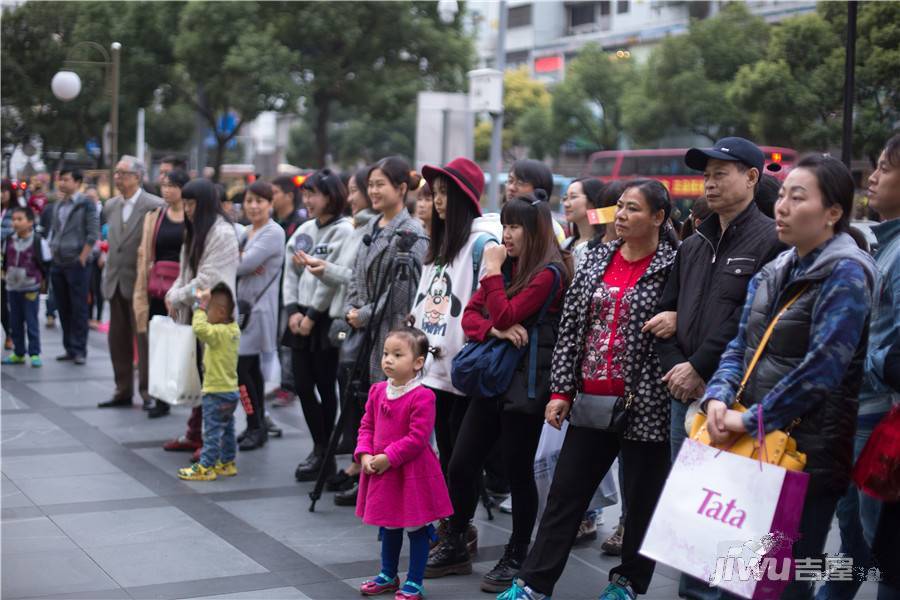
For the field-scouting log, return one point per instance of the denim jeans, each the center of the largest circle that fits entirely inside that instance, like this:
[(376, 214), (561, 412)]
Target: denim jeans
[(70, 288), (219, 443), (23, 317), (857, 516)]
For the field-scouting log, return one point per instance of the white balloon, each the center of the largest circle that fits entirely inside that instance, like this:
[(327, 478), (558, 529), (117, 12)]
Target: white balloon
[(66, 85)]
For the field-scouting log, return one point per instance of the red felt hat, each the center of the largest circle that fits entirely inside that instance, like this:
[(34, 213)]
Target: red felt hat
[(465, 173)]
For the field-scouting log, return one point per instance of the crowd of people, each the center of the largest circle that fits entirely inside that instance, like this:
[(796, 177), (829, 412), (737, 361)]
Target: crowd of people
[(358, 292)]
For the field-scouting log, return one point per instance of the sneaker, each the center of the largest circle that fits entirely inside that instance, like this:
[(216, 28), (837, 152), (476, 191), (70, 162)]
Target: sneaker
[(284, 398), (520, 591), (620, 589), (14, 359), (36, 361), (505, 571), (228, 469), (410, 591), (613, 544), (197, 472), (382, 584), (51, 322), (587, 530)]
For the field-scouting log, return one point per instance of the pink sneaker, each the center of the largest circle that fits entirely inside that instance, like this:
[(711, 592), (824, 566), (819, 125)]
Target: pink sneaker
[(382, 584), (284, 398)]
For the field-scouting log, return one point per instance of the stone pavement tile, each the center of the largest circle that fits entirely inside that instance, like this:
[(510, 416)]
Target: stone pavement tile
[(76, 392), (330, 535), (268, 467), (32, 431), (56, 465), (330, 590), (33, 535), (132, 425), (11, 496), (281, 593), (171, 561), (139, 526), (197, 588), (54, 573), (83, 488), (10, 402), (26, 422)]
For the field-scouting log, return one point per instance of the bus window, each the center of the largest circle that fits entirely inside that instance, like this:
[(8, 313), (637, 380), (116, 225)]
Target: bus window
[(603, 167)]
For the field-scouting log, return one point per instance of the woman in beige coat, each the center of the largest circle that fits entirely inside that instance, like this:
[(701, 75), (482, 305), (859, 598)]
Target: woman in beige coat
[(161, 240)]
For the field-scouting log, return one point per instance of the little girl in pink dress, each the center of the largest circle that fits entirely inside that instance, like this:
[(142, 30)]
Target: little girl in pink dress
[(401, 485)]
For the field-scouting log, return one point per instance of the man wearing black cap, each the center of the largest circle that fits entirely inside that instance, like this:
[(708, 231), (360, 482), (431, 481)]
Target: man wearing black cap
[(708, 283)]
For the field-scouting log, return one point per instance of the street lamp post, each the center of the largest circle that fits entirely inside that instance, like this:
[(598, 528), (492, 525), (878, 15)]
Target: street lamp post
[(496, 157), (849, 83), (66, 86)]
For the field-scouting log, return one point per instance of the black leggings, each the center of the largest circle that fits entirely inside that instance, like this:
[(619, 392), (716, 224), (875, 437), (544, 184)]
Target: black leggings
[(250, 376), (586, 456), (316, 370), (449, 412), (518, 434)]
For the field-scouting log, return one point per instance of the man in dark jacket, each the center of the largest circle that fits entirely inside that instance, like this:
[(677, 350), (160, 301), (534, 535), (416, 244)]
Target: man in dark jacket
[(708, 284), (75, 228)]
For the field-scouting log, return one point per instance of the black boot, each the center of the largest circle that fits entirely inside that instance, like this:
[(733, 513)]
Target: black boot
[(304, 464), (348, 497), (255, 438), (449, 557), (310, 471), (501, 576)]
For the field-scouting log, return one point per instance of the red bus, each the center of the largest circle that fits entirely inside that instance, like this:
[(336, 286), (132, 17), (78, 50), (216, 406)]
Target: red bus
[(667, 165)]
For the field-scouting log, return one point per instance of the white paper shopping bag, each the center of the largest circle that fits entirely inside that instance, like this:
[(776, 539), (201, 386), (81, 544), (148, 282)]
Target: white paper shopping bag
[(728, 519), (173, 375)]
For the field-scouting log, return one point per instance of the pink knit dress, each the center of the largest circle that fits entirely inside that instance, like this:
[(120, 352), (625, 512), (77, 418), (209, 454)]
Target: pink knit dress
[(412, 492)]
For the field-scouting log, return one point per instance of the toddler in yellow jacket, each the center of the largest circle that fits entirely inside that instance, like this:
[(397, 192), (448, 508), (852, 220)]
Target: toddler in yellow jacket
[(215, 327)]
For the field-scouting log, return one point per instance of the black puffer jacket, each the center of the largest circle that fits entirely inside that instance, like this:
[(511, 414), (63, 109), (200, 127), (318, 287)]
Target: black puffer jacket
[(708, 285)]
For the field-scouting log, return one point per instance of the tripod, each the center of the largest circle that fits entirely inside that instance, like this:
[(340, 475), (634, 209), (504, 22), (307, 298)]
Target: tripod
[(405, 267)]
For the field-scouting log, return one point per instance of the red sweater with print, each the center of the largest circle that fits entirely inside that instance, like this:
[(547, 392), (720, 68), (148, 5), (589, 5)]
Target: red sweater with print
[(602, 368), (489, 306)]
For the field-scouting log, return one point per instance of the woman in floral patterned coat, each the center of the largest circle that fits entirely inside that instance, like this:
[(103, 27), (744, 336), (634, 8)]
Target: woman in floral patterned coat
[(601, 352)]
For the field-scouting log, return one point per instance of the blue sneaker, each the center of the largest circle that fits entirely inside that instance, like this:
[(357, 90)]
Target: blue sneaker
[(14, 359), (36, 361), (618, 589), (520, 591)]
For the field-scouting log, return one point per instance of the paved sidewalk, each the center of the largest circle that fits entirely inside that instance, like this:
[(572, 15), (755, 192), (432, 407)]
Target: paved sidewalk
[(91, 508)]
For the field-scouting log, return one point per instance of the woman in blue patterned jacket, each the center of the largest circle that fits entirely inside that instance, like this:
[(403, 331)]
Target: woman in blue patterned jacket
[(809, 376)]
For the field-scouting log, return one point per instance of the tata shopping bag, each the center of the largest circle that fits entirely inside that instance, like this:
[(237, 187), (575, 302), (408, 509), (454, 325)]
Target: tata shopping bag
[(173, 374), (728, 520)]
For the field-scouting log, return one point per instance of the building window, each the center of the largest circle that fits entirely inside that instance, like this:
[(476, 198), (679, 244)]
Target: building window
[(581, 13), (518, 16), (622, 6), (514, 59), (605, 8)]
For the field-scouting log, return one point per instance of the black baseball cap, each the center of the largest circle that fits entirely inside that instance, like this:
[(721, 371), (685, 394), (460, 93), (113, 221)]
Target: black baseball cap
[(735, 149)]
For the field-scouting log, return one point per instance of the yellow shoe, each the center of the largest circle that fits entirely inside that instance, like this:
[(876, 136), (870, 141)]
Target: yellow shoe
[(197, 472), (228, 469)]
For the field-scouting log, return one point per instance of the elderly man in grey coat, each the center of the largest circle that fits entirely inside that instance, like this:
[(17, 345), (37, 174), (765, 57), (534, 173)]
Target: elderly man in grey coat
[(125, 214)]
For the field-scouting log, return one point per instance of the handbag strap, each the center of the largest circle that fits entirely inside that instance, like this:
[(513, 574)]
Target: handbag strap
[(159, 220), (533, 334), (265, 289), (765, 340)]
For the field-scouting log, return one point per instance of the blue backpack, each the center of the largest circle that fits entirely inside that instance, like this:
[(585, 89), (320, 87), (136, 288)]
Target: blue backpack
[(486, 369)]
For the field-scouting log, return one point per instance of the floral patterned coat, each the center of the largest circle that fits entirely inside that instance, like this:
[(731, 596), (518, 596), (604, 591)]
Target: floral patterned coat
[(648, 415)]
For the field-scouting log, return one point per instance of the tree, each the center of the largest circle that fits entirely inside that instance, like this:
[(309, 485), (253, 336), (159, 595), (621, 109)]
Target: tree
[(526, 116), (230, 61), (39, 36), (588, 104), (371, 58), (684, 84), (792, 97)]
